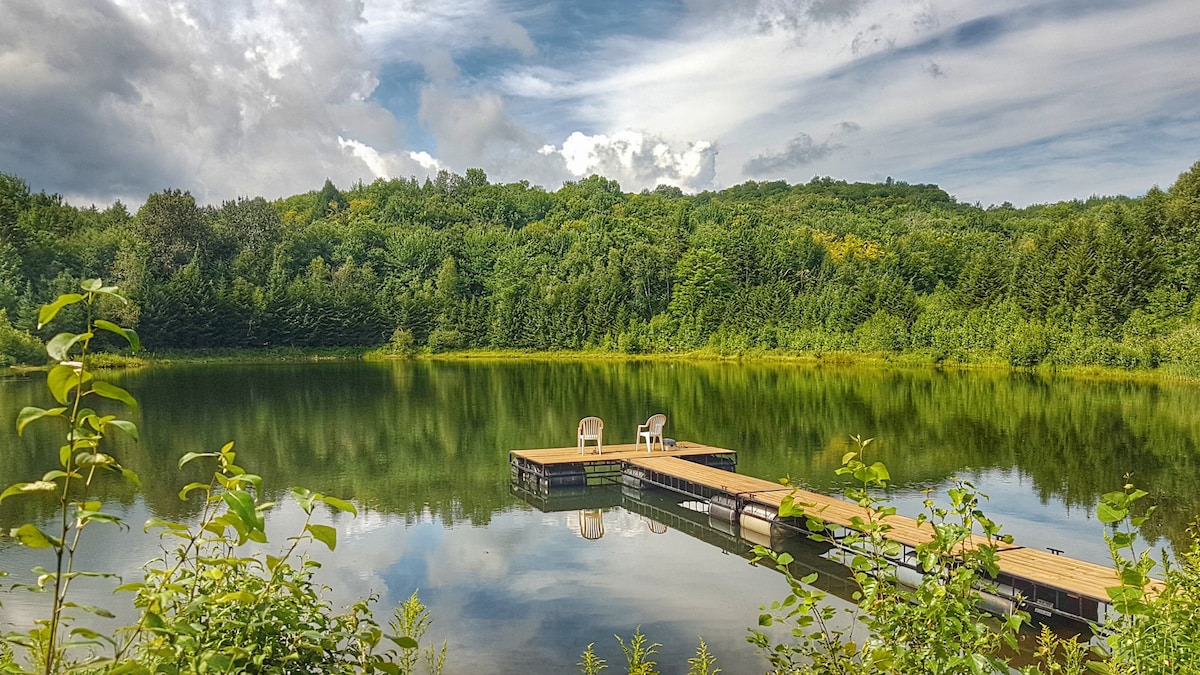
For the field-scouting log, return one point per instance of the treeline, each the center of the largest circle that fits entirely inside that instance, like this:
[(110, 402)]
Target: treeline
[(457, 262)]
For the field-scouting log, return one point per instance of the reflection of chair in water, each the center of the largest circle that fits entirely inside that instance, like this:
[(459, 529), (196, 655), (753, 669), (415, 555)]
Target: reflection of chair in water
[(591, 524), (655, 526), (591, 429), (651, 431)]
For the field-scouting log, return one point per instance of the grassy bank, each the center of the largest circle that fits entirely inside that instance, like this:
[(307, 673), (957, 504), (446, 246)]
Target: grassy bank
[(880, 360)]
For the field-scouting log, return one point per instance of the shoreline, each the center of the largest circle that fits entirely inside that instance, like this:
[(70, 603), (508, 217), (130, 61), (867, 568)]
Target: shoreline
[(877, 361)]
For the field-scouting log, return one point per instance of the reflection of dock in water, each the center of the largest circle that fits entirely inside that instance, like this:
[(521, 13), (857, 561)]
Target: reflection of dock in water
[(661, 510), (735, 512)]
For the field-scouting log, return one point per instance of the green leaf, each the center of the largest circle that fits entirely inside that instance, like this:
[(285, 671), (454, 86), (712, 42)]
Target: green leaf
[(109, 390), (135, 343), (1107, 513), (117, 330), (237, 596), (48, 312), (126, 426), (91, 285), (85, 517), (59, 346), (94, 459), (340, 505), (1123, 539), (324, 534), (183, 494), (63, 378), (111, 291), (91, 609), (195, 455), (30, 413), (30, 536), (405, 642), (881, 471), (159, 522), (131, 477), (242, 505), (26, 488), (304, 498)]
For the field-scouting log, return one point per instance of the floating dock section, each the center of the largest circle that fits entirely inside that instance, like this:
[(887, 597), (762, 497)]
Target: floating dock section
[(567, 467), (1037, 581)]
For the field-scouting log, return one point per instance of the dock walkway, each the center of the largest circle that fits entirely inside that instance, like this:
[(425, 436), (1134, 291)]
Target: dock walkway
[(1045, 582)]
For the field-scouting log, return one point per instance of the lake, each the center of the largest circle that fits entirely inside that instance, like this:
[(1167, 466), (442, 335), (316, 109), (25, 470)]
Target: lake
[(422, 448)]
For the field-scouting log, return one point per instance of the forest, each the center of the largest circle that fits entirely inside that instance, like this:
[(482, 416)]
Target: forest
[(456, 262)]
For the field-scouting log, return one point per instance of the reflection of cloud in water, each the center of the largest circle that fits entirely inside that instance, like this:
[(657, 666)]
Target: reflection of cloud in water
[(531, 597), (525, 594)]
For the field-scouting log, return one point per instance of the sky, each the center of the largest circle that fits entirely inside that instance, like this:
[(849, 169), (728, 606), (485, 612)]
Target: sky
[(994, 100)]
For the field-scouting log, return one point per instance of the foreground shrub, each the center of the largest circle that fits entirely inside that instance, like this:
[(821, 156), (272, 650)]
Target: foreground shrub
[(206, 605)]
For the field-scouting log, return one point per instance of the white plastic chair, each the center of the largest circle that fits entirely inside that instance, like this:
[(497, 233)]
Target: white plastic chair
[(591, 429), (651, 431)]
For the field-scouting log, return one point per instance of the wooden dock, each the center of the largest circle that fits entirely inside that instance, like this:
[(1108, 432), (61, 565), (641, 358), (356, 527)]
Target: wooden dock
[(1036, 580), (560, 467)]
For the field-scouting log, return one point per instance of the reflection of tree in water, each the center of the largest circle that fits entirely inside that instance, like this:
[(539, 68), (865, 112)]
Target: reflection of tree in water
[(432, 437)]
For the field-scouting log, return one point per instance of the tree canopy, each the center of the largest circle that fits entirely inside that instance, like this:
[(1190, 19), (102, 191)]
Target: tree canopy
[(459, 262)]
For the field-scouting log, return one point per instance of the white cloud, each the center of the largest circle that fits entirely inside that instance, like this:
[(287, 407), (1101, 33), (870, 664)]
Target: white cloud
[(391, 165), (637, 160), (221, 99), (120, 99), (408, 28)]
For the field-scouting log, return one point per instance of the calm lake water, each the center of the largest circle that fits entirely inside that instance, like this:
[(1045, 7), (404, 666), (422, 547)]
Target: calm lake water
[(422, 447)]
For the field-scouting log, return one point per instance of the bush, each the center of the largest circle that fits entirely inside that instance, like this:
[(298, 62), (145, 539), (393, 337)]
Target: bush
[(17, 346), (402, 342), (444, 340), (883, 332), (1028, 346)]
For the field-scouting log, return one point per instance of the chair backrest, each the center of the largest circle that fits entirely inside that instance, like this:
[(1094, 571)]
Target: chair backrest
[(656, 424), (591, 426)]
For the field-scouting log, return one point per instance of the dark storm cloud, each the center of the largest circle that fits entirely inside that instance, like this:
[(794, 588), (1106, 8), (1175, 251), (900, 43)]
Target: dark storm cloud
[(66, 109)]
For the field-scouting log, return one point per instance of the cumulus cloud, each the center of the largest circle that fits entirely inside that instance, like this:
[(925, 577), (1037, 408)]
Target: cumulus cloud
[(120, 98), (391, 165), (107, 99), (638, 160)]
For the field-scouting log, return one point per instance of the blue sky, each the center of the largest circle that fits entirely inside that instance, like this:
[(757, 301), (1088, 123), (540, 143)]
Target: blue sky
[(994, 100)]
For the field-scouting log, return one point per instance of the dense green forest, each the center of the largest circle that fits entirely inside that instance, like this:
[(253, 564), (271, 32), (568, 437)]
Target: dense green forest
[(457, 262)]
